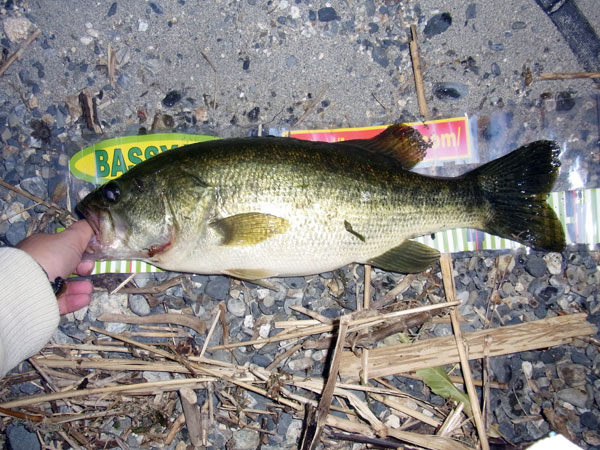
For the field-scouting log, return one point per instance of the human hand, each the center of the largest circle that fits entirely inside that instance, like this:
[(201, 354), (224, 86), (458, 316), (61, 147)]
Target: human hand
[(60, 256)]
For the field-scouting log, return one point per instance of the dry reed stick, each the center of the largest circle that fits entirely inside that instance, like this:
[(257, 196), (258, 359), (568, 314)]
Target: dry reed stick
[(364, 371), (407, 410), (210, 332), (191, 411), (487, 412), (16, 55), (314, 427), (395, 359), (178, 319), (154, 288), (389, 297), (446, 266), (131, 388), (289, 352), (567, 76), (127, 280), (431, 442), (416, 63), (368, 321), (31, 197), (453, 421), (175, 427), (461, 380), (320, 318)]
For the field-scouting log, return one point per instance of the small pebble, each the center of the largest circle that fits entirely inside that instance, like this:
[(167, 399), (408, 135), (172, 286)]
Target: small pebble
[(552, 355), (16, 28), (564, 101), (327, 14), (575, 397), (139, 305), (217, 287), (572, 375), (496, 69), (20, 438), (589, 420), (236, 306), (35, 186), (437, 24), (553, 262), (151, 376), (103, 303), (112, 10), (156, 8), (171, 99), (285, 420), (449, 91), (254, 114), (294, 431), (299, 364), (290, 61), (244, 440), (497, 47), (535, 266), (261, 360), (379, 55), (471, 12)]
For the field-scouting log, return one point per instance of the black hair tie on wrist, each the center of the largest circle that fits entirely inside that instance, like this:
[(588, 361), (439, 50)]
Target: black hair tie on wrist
[(58, 285)]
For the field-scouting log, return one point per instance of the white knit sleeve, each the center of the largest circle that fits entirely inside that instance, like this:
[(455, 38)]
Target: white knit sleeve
[(28, 308)]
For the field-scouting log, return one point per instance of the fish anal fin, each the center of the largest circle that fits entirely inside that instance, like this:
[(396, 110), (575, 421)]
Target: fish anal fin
[(399, 142), (408, 257), (254, 275), (249, 228)]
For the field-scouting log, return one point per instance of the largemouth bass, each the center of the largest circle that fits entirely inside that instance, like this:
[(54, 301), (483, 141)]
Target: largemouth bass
[(263, 207)]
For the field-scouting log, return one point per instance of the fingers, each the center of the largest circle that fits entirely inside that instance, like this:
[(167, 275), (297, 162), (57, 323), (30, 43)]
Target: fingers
[(59, 254), (85, 267), (76, 296)]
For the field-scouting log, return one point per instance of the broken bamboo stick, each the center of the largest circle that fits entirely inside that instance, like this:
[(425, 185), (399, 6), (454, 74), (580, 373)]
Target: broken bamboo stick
[(450, 289), (416, 63), (567, 76), (396, 359), (191, 411)]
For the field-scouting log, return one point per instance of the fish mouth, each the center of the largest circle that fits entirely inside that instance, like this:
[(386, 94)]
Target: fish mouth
[(102, 225)]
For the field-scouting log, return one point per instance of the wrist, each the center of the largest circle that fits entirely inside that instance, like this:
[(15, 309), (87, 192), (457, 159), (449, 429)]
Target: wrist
[(57, 284)]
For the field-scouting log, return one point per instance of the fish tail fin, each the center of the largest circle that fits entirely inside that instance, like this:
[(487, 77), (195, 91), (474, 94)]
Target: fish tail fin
[(516, 187)]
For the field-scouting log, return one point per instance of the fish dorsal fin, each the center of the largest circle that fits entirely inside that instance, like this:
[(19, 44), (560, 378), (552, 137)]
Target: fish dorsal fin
[(249, 228), (399, 142), (408, 257)]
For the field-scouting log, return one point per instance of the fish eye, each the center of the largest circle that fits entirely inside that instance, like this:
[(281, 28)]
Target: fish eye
[(111, 192)]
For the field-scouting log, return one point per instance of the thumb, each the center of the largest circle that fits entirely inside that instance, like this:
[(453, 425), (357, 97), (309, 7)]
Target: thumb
[(77, 236)]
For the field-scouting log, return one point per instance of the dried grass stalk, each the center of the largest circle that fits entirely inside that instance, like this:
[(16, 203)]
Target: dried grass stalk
[(317, 418), (177, 319), (191, 411), (397, 359), (446, 265)]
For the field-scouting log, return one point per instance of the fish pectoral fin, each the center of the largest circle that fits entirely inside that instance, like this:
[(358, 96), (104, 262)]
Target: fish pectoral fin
[(256, 276), (249, 228), (408, 257)]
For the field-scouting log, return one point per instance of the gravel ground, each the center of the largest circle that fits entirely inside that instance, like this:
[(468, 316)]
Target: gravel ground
[(224, 68)]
